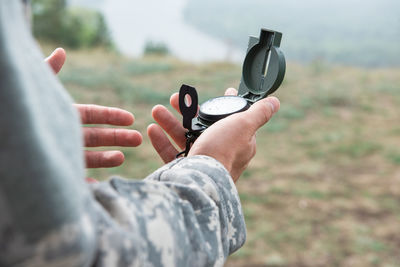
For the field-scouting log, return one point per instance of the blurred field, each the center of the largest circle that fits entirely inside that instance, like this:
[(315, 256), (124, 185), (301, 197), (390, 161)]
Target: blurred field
[(324, 187)]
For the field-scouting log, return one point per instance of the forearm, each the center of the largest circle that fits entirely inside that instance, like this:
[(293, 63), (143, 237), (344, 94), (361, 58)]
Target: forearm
[(201, 179), (185, 214)]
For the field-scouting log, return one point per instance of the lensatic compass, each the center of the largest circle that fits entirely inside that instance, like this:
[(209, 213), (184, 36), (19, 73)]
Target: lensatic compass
[(263, 72)]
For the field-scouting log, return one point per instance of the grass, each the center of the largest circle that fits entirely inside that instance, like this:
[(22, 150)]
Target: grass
[(324, 187)]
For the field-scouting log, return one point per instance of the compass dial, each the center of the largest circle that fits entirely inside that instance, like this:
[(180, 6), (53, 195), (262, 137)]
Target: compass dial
[(221, 107)]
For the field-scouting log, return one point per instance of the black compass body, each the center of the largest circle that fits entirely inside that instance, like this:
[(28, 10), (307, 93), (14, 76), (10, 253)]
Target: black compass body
[(220, 107)]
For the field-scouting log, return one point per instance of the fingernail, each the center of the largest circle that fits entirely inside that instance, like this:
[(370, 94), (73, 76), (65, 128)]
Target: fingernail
[(271, 103), (275, 103)]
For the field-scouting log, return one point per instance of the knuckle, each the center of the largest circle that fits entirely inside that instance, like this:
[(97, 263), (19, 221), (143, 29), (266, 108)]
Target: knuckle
[(92, 138), (92, 159), (108, 114), (243, 120), (99, 159), (115, 137), (89, 113)]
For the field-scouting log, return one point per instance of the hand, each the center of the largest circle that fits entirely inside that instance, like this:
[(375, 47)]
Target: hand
[(172, 126), (234, 151), (236, 136), (94, 137)]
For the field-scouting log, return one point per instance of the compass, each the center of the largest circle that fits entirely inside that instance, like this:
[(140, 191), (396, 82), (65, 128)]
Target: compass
[(263, 72), (220, 107)]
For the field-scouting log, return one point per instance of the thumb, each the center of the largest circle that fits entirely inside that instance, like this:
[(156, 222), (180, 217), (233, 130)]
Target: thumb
[(261, 112), (56, 59)]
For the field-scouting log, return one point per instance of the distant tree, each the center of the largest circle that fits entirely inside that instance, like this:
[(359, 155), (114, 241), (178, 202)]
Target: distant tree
[(156, 48), (74, 27), (49, 17), (102, 35)]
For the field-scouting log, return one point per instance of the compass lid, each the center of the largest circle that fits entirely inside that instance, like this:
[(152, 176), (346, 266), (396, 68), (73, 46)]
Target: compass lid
[(264, 66)]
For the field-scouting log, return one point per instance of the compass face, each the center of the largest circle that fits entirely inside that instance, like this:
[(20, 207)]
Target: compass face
[(220, 107)]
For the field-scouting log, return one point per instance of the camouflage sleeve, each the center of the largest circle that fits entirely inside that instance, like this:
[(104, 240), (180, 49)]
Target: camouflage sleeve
[(187, 213)]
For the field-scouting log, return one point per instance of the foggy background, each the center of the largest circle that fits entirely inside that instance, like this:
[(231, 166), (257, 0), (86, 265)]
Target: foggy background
[(351, 32)]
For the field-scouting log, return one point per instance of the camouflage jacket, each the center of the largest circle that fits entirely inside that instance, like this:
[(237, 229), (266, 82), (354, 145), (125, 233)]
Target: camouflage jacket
[(185, 214)]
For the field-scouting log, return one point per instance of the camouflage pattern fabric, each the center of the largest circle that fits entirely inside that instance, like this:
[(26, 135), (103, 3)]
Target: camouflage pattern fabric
[(187, 213)]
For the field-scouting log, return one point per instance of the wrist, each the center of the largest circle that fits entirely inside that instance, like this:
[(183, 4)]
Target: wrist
[(221, 159)]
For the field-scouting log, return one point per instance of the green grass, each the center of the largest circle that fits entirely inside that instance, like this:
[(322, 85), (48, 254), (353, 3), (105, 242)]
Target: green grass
[(394, 157), (136, 68), (323, 187), (357, 148)]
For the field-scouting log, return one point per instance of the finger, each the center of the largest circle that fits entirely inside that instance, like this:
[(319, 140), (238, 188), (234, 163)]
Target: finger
[(174, 101), (111, 137), (161, 143), (56, 60), (260, 112), (170, 124), (231, 91), (94, 114), (90, 180), (103, 159)]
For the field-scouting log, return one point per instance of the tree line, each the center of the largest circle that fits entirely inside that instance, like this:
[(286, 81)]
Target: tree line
[(72, 27)]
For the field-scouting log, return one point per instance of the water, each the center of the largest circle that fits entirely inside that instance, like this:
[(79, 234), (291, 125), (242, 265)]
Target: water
[(133, 23)]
